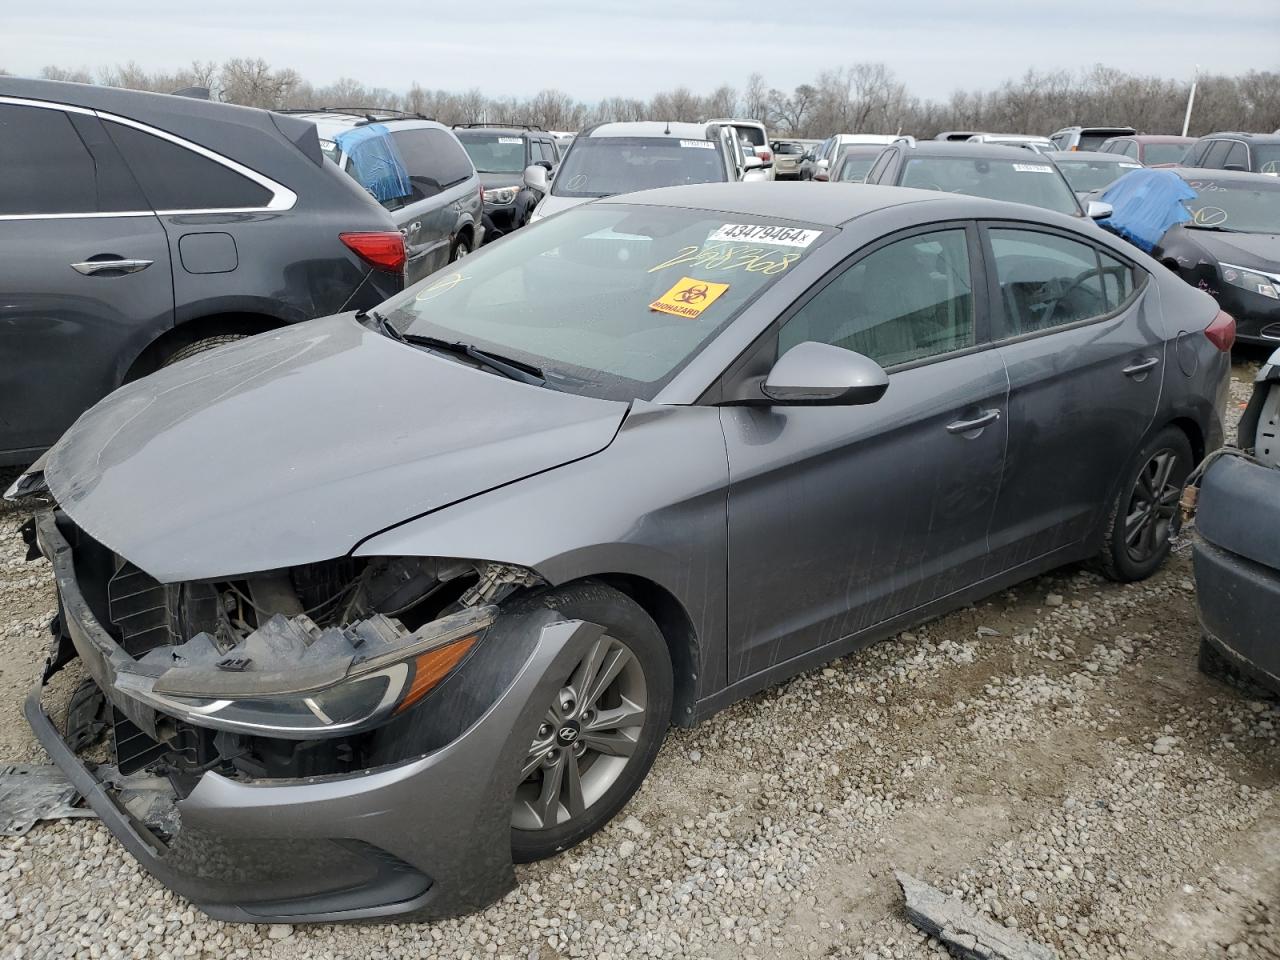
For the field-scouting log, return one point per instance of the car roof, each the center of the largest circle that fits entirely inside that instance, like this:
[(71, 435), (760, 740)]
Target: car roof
[(823, 205), (1154, 138), (1119, 131), (650, 128), (462, 129), (1016, 137), (330, 123), (1252, 137), (968, 150), (1214, 173), (1088, 155)]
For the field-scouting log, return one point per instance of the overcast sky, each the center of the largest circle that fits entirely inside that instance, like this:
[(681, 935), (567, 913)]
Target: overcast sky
[(602, 48)]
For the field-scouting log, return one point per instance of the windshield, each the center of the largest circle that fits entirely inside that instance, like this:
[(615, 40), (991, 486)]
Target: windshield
[(1154, 153), (609, 300), (1033, 181), (604, 166), (1267, 156), (1241, 206), (1087, 175), (493, 153)]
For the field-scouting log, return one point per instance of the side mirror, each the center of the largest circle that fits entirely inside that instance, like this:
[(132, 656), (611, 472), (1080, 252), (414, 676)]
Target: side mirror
[(1097, 210), (544, 164), (535, 177), (820, 374), (1240, 167), (824, 163)]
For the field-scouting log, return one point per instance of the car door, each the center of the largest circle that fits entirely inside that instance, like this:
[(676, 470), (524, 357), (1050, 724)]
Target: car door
[(439, 174), (86, 280), (841, 518), (1082, 341)]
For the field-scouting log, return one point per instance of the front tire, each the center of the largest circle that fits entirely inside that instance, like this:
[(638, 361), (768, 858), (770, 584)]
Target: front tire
[(602, 730), (200, 346), (1144, 515), (461, 248)]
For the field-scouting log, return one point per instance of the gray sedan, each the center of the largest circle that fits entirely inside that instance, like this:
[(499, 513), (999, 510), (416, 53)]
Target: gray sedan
[(376, 605)]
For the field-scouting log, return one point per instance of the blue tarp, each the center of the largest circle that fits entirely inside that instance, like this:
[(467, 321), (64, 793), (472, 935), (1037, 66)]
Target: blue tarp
[(1146, 203), (375, 161)]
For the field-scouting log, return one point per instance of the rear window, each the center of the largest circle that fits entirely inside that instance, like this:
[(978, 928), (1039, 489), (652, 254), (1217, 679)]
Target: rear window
[(433, 159), (1034, 181), (751, 135), (854, 166), (788, 149), (1092, 141), (604, 166), (494, 153), (176, 178), (1164, 152)]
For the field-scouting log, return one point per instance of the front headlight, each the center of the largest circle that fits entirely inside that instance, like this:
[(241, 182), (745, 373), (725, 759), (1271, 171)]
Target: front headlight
[(1266, 284), (501, 195), (346, 696)]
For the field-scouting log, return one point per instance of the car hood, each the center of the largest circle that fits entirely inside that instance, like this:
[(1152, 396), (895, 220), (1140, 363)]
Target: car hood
[(293, 446), (493, 181), (552, 204), (1258, 250)]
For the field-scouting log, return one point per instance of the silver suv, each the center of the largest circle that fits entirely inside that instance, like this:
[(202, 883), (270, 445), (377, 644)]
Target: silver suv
[(613, 158), (418, 170)]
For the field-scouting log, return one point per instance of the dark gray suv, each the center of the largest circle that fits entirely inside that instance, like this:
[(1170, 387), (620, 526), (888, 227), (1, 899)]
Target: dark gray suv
[(138, 228)]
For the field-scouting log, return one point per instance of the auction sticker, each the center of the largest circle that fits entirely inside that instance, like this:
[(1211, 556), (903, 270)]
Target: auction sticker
[(760, 233), (1032, 168), (510, 140), (698, 144), (689, 297), (1132, 166)]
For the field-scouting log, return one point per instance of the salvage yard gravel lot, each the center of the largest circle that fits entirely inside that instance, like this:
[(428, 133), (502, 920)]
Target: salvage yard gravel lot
[(1052, 755)]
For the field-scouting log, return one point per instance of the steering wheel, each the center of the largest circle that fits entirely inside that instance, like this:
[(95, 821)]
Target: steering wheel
[(1067, 292)]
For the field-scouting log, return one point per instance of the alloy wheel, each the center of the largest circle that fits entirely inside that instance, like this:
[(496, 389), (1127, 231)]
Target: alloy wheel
[(589, 732), (1153, 505)]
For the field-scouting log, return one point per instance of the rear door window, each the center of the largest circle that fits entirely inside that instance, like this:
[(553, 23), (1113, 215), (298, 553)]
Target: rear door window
[(175, 178), (48, 169), (434, 160), (1049, 281)]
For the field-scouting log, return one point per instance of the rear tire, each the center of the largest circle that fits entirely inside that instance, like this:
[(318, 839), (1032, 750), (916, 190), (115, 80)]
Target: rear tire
[(543, 821), (200, 346), (1145, 513)]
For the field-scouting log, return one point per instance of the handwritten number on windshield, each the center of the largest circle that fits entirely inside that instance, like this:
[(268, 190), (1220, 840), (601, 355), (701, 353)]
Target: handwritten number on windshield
[(728, 257)]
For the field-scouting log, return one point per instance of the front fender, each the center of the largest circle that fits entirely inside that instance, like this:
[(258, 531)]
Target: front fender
[(651, 505)]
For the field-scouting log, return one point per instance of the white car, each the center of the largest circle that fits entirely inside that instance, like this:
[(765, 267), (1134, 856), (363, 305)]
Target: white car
[(824, 161), (613, 158), (1027, 141), (755, 139)]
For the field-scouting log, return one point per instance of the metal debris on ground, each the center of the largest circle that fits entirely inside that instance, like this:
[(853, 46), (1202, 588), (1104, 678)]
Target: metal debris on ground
[(962, 930), (31, 792)]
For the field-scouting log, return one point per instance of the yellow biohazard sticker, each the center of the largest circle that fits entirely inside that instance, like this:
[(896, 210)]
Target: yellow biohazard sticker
[(689, 297)]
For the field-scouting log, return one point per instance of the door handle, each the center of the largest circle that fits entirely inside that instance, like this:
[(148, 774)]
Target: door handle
[(92, 267), (977, 423), (1140, 366)]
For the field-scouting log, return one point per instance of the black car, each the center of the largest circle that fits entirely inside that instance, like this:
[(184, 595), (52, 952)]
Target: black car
[(1231, 247), (1252, 152), (139, 228), (975, 169), (501, 154)]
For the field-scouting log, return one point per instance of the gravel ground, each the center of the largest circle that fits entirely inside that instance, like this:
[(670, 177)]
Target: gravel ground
[(1051, 755)]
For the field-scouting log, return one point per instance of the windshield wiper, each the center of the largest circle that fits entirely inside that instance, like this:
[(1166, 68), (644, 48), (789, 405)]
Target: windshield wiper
[(510, 368), (1197, 226)]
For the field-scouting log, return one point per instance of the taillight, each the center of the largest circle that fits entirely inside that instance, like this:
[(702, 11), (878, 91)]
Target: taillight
[(384, 249), (1222, 332), (764, 155)]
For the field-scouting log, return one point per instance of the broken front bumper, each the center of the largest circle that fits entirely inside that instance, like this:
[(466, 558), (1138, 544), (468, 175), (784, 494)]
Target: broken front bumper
[(429, 837)]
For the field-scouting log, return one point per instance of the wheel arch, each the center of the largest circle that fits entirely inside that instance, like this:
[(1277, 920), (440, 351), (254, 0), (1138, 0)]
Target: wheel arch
[(677, 630), (1194, 434), (197, 328)]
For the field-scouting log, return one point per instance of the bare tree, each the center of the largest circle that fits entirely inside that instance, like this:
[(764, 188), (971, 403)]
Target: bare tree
[(755, 99)]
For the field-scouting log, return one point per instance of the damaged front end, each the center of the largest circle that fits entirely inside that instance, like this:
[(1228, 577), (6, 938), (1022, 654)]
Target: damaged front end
[(338, 740)]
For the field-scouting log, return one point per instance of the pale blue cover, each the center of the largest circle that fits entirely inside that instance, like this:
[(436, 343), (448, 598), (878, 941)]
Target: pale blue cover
[(375, 161), (1146, 203)]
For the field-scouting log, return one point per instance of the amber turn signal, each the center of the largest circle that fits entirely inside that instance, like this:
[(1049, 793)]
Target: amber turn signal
[(433, 666)]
